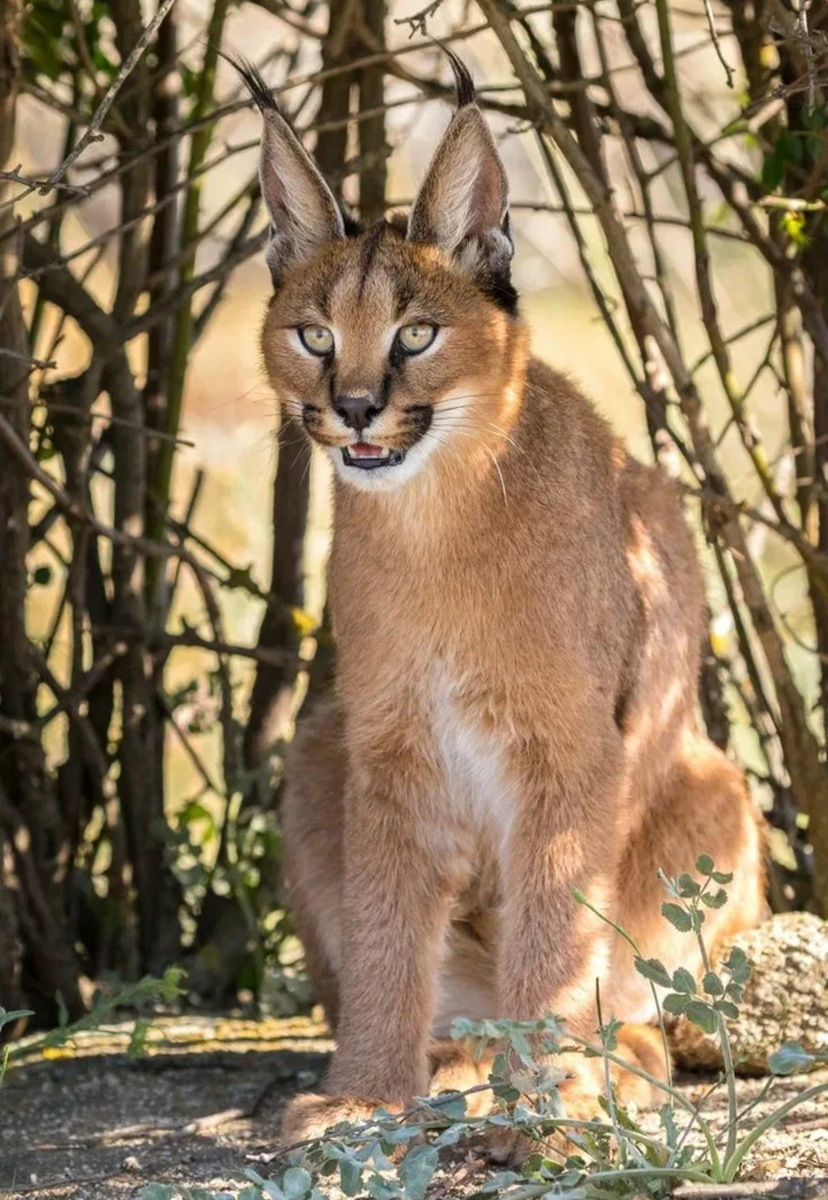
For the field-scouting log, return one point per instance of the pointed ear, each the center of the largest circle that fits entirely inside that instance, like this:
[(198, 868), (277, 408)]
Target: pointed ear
[(304, 214), (463, 202)]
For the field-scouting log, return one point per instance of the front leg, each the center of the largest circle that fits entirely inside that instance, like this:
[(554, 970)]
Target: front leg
[(564, 837), (395, 908)]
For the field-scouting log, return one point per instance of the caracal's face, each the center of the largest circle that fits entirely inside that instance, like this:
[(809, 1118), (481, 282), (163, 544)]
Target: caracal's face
[(390, 346), (387, 354)]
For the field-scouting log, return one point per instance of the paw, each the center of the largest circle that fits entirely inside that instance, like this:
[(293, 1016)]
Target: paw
[(454, 1068), (579, 1093), (310, 1115), (505, 1147)]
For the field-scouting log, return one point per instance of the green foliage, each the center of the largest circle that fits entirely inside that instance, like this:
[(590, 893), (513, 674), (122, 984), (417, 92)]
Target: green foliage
[(8, 1018), (790, 1058), (145, 994), (51, 42), (397, 1156)]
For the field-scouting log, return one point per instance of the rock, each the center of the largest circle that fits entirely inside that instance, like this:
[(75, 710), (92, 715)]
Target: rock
[(785, 999)]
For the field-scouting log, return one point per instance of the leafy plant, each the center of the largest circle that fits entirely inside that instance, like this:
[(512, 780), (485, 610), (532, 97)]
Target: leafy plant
[(396, 1156), (145, 993)]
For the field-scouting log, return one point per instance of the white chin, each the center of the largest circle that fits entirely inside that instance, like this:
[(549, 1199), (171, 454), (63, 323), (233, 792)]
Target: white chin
[(383, 479)]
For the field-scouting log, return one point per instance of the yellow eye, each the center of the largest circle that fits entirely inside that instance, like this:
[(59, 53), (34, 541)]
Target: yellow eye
[(317, 338), (416, 338)]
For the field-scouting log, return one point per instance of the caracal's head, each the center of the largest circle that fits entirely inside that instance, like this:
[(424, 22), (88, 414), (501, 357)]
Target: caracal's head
[(394, 346)]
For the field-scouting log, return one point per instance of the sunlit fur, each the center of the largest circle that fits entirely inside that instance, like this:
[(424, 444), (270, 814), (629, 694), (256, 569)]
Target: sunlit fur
[(519, 613)]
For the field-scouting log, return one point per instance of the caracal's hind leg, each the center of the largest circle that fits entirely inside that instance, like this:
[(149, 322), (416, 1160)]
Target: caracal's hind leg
[(311, 821), (702, 807)]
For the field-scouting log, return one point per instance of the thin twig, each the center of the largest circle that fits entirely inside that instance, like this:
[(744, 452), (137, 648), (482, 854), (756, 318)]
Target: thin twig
[(714, 36), (92, 134)]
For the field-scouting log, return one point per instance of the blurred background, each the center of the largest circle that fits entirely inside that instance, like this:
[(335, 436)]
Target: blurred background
[(164, 538)]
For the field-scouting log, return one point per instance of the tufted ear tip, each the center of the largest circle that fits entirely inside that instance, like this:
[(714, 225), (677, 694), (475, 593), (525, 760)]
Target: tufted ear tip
[(304, 214), (254, 82), (465, 192), (463, 82)]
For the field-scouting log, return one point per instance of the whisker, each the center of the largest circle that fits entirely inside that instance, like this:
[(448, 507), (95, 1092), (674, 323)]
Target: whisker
[(495, 463)]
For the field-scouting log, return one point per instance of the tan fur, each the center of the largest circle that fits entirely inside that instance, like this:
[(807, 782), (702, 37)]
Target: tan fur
[(519, 612)]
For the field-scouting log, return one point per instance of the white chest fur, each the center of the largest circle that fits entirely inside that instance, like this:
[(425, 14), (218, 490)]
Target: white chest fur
[(478, 792)]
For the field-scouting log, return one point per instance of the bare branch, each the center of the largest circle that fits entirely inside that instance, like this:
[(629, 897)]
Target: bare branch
[(92, 132)]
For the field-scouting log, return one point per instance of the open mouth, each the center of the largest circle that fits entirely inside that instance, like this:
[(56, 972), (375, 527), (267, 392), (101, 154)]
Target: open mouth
[(367, 457)]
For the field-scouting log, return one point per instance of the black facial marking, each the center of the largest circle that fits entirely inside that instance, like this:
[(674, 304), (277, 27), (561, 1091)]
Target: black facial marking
[(420, 417), (385, 391), (353, 228), (406, 290), (370, 249), (397, 356), (499, 289), (331, 373)]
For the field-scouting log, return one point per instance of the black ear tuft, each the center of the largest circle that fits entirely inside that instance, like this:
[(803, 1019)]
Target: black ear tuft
[(463, 82), (253, 81), (463, 202), (304, 214)]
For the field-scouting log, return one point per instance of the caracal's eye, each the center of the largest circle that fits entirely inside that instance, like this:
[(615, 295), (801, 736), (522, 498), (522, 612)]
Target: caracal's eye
[(317, 338), (416, 338)]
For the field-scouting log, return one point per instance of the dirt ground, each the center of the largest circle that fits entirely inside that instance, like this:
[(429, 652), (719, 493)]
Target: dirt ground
[(204, 1103)]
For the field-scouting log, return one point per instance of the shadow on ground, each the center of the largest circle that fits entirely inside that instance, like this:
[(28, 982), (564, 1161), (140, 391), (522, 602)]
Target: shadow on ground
[(202, 1104)]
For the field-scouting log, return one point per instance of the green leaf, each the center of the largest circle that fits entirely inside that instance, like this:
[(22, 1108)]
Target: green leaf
[(653, 970), (417, 1170), (156, 1191), (520, 1046), (6, 1018), (712, 984), (789, 1059), (721, 876), (250, 1193), (675, 1004), (296, 1183), (171, 984), (451, 1105), (738, 965), (451, 1136), (715, 899), (381, 1189), (668, 1124), (702, 1015), (350, 1175), (678, 917), (683, 981), (687, 886), (705, 864), (727, 1009), (138, 1040), (609, 1038), (773, 170)]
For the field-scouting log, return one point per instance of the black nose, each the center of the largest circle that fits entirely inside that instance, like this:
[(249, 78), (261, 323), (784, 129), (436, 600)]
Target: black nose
[(356, 411)]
